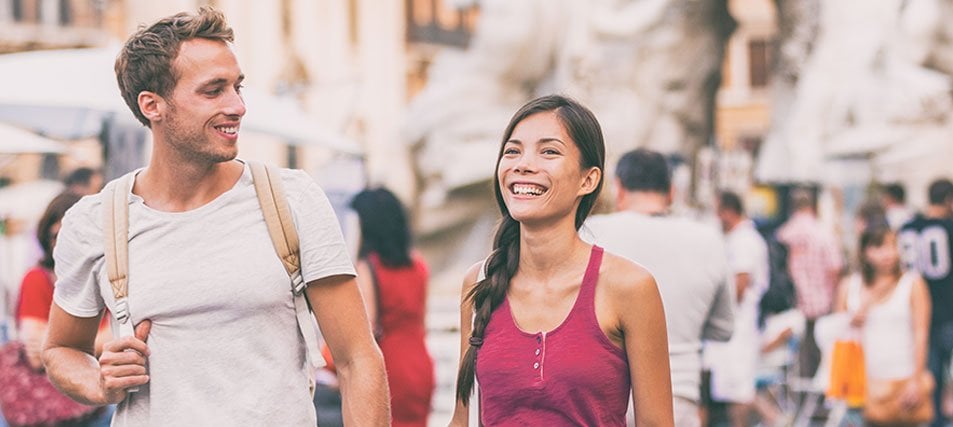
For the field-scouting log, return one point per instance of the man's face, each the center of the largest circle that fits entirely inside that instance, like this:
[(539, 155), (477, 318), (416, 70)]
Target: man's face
[(205, 109), (726, 217)]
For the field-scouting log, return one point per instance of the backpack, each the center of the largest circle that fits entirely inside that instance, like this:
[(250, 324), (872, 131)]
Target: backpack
[(281, 228)]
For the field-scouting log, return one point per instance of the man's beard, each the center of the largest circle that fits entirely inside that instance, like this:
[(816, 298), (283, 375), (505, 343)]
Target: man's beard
[(193, 144)]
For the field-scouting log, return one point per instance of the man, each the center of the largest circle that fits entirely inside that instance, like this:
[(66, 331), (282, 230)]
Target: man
[(894, 202), (687, 260), (815, 262), (734, 363), (216, 340), (926, 243), (84, 181)]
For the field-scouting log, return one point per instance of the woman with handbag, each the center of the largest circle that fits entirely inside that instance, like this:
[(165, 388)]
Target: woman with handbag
[(892, 310), (27, 397), (393, 279)]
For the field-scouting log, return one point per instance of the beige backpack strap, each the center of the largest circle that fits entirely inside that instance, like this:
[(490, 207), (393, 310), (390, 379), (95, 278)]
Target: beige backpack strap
[(116, 232), (284, 235)]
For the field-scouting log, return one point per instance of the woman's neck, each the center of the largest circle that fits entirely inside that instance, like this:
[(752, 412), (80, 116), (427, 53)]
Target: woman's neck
[(547, 251)]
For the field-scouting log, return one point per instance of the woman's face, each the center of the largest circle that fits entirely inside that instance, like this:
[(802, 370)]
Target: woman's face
[(540, 174), (885, 257)]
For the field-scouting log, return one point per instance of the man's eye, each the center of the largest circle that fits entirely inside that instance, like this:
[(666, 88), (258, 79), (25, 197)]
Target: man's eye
[(238, 88), (213, 92)]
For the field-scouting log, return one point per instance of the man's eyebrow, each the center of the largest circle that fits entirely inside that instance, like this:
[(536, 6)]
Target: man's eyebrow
[(221, 81)]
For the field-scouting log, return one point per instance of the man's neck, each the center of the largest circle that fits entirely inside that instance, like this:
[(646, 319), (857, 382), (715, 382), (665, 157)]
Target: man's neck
[(174, 184), (937, 212), (735, 223), (645, 202)]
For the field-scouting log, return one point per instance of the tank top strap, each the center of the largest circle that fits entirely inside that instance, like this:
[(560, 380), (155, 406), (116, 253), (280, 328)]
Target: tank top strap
[(905, 286), (587, 292)]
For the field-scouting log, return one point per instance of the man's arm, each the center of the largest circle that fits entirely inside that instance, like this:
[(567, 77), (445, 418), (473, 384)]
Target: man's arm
[(742, 281), (721, 317), (339, 310), (71, 366)]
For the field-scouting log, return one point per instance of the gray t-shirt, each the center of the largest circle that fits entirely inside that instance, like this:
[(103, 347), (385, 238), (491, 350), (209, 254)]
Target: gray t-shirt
[(689, 264), (225, 345)]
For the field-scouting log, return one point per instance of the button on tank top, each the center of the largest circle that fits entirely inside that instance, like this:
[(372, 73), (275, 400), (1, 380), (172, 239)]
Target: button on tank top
[(571, 375)]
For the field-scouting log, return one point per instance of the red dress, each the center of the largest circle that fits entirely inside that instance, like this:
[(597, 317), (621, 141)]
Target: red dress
[(36, 297), (410, 371)]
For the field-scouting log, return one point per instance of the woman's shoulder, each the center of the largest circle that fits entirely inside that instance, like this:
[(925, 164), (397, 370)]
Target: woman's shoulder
[(624, 277), (37, 277)]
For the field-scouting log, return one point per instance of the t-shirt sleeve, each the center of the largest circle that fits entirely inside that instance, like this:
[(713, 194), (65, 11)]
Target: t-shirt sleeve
[(36, 296), (79, 259), (323, 250), (743, 258)]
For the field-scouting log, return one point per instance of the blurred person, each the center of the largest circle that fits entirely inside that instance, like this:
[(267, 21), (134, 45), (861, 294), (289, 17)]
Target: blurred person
[(870, 214), (781, 326), (84, 181), (36, 297), (734, 363), (815, 263), (687, 259), (556, 330), (926, 243), (393, 278), (894, 201), (206, 284), (892, 310)]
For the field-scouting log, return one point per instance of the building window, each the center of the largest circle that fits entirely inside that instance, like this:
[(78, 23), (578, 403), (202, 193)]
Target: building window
[(431, 21), (17, 10), (66, 13), (759, 62)]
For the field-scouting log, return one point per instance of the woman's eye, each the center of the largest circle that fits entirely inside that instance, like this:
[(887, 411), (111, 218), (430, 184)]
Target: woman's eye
[(551, 152), (511, 151)]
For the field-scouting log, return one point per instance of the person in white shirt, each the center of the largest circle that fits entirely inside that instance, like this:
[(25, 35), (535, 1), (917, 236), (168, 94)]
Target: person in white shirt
[(687, 259), (893, 199), (734, 363)]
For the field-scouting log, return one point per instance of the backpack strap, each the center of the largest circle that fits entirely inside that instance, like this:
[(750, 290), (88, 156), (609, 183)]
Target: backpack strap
[(116, 232), (284, 235)]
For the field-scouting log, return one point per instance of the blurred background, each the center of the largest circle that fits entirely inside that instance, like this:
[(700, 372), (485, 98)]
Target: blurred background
[(753, 96)]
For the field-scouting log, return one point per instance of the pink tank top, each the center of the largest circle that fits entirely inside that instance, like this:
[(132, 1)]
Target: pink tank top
[(572, 375)]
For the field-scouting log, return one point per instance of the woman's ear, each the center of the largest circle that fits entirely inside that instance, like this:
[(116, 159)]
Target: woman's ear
[(591, 181)]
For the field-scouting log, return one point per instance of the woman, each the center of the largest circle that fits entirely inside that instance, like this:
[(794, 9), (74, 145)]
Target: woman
[(36, 297), (555, 331), (394, 281), (893, 311)]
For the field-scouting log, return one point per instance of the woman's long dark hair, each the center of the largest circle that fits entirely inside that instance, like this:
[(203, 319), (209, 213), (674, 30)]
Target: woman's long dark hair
[(873, 237), (54, 213), (501, 265), (384, 228)]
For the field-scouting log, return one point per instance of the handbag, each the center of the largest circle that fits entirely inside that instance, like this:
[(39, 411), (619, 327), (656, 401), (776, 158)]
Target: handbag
[(848, 375), (884, 405), (27, 397)]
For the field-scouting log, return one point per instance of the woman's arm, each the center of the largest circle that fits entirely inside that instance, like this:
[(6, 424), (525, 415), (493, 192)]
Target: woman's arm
[(638, 306), (461, 413), (32, 331), (921, 309)]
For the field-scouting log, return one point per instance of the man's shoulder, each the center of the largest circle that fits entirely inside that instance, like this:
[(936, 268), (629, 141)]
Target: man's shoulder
[(920, 222)]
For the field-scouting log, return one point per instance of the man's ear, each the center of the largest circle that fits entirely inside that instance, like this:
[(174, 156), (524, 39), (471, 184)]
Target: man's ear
[(151, 105)]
